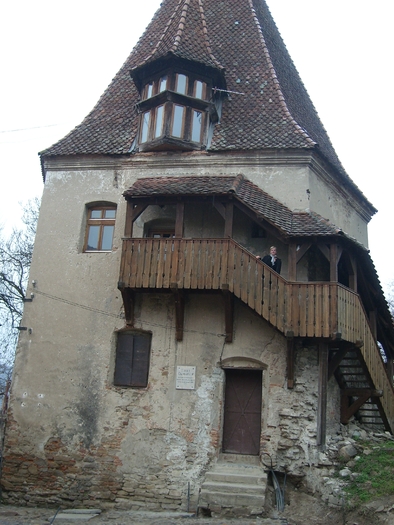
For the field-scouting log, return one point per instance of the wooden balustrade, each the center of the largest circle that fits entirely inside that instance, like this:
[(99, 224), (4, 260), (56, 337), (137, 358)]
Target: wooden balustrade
[(312, 309)]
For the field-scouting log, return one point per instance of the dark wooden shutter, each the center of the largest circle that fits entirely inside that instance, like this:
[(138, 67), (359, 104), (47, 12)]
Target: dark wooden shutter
[(132, 359), (141, 355)]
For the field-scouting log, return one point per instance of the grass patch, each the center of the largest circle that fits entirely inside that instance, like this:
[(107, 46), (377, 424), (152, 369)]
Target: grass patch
[(374, 472)]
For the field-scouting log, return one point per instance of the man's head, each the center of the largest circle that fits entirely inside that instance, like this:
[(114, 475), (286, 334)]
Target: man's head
[(273, 250)]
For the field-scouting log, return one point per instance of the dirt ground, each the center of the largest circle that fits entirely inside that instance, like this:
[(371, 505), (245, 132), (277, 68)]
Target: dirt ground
[(302, 509), (310, 511)]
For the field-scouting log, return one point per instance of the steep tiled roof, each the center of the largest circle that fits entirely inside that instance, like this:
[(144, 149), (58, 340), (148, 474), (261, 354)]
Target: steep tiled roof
[(268, 107), (289, 223), (180, 29)]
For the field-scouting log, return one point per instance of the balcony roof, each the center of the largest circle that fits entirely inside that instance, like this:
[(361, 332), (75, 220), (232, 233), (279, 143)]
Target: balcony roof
[(288, 223)]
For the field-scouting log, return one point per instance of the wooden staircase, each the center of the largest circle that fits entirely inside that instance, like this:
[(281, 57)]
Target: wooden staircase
[(324, 310), (355, 381)]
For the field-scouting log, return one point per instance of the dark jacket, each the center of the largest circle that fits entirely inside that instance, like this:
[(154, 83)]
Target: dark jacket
[(277, 264)]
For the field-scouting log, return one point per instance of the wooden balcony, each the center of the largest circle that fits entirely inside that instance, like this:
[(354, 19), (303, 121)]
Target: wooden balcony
[(297, 309)]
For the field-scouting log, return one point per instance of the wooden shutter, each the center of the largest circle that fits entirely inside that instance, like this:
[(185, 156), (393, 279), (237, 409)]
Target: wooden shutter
[(141, 355), (132, 359)]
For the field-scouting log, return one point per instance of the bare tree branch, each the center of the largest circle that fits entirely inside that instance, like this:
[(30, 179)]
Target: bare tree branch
[(15, 258)]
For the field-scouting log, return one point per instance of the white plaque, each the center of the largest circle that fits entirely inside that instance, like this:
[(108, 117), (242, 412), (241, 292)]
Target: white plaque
[(185, 377)]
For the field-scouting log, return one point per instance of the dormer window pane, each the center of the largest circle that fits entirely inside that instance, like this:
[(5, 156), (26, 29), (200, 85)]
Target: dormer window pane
[(177, 121), (181, 84), (196, 126), (199, 89), (163, 84), (149, 90), (159, 121), (145, 126)]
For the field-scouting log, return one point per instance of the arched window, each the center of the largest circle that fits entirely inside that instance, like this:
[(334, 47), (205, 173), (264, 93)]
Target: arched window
[(100, 228)]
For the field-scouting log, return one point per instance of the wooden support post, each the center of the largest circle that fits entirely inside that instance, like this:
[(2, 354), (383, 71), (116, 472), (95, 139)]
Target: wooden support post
[(292, 262), (290, 362), (228, 225), (132, 213), (180, 211), (228, 313), (353, 274), (334, 263), (128, 229), (128, 305), (179, 312), (322, 395)]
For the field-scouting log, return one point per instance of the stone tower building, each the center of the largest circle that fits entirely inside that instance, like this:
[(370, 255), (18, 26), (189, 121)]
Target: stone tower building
[(162, 357)]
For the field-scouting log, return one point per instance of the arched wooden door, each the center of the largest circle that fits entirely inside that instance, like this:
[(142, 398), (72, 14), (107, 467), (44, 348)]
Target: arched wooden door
[(242, 412)]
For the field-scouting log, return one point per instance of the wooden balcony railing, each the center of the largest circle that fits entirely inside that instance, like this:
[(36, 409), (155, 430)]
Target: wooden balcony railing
[(312, 309)]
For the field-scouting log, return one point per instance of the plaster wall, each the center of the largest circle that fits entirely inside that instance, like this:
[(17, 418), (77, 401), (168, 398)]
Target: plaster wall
[(86, 441), (72, 436), (294, 181)]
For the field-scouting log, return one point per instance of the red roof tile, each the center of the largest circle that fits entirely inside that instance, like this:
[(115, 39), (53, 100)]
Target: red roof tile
[(290, 224)]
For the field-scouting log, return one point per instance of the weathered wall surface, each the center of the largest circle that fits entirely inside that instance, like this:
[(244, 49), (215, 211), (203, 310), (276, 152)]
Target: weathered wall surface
[(312, 186), (72, 436), (100, 444)]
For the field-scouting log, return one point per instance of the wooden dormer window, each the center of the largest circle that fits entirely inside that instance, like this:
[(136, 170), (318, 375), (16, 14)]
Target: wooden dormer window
[(175, 112)]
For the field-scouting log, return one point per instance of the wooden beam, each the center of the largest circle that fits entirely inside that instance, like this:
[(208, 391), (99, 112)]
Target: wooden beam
[(292, 262), (133, 211), (325, 250), (353, 274), (228, 225), (290, 362), (180, 212), (128, 229), (363, 394), (137, 210), (228, 313), (179, 312), (220, 208), (322, 395), (334, 263), (128, 305), (336, 361), (303, 248)]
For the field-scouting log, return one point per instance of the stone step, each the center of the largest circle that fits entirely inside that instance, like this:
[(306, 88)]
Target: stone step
[(230, 459), (235, 484), (223, 475), (229, 488), (228, 500)]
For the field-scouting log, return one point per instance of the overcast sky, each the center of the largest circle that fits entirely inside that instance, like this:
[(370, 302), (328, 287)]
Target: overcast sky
[(57, 58)]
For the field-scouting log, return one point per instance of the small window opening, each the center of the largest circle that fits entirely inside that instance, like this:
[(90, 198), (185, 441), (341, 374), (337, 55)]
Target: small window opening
[(181, 84), (177, 121), (163, 84), (132, 359), (145, 126), (159, 121), (100, 229)]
